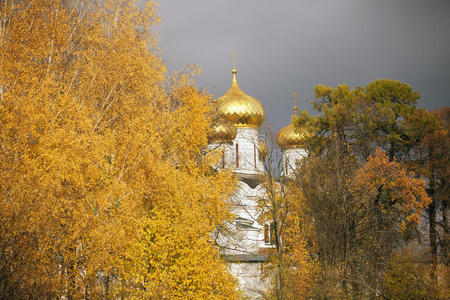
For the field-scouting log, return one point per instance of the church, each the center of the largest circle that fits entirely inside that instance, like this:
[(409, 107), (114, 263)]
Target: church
[(246, 243)]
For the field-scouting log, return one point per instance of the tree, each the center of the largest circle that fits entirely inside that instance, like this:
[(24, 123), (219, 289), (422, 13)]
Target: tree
[(176, 257), (430, 160), (273, 208), (383, 180), (408, 276), (355, 236), (301, 266), (289, 266), (329, 214), (391, 102), (100, 151), (391, 199), (364, 118), (357, 216)]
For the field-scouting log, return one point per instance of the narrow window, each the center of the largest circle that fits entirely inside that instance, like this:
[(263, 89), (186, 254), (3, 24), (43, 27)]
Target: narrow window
[(254, 155), (237, 155)]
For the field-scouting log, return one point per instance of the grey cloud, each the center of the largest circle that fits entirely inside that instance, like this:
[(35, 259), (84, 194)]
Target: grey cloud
[(285, 45)]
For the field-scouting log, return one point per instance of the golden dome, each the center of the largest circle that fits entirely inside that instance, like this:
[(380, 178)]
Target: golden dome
[(222, 131), (239, 108), (291, 137)]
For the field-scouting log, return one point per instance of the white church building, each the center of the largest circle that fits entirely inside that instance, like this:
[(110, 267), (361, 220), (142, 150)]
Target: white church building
[(246, 244)]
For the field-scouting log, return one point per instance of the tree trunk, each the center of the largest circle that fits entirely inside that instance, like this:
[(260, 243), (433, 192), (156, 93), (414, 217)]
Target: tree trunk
[(432, 232), (280, 260), (445, 242), (433, 240)]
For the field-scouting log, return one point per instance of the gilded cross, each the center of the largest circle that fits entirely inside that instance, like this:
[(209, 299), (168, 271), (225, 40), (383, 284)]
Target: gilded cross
[(234, 59), (294, 94)]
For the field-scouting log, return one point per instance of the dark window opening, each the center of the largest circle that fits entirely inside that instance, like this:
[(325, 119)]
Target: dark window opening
[(269, 233)]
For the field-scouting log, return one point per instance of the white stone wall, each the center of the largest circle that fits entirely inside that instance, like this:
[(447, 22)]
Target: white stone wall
[(225, 152), (245, 236), (247, 140), (250, 282), (247, 239), (290, 158), (245, 209)]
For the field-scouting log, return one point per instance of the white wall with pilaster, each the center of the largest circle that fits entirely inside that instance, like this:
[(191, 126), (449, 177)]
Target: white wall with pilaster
[(225, 152), (243, 240), (247, 234), (247, 141)]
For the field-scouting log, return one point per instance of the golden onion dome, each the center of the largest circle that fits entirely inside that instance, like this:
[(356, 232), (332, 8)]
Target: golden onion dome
[(262, 150), (291, 137), (222, 131), (239, 108)]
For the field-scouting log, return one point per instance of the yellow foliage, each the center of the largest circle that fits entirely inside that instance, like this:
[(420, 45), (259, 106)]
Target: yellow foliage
[(291, 268), (408, 276), (100, 152), (302, 269)]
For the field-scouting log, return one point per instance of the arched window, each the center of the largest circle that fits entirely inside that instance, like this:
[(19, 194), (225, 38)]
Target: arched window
[(237, 155)]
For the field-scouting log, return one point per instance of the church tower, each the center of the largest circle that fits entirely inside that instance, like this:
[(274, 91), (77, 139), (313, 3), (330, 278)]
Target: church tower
[(247, 115), (235, 131), (291, 142)]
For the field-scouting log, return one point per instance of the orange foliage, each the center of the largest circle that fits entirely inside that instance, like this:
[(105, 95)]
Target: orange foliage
[(405, 191)]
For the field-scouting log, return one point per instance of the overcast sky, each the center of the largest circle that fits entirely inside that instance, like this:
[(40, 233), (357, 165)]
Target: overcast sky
[(288, 45)]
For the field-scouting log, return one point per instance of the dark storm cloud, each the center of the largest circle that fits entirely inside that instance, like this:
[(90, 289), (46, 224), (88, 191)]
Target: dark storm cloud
[(294, 44)]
